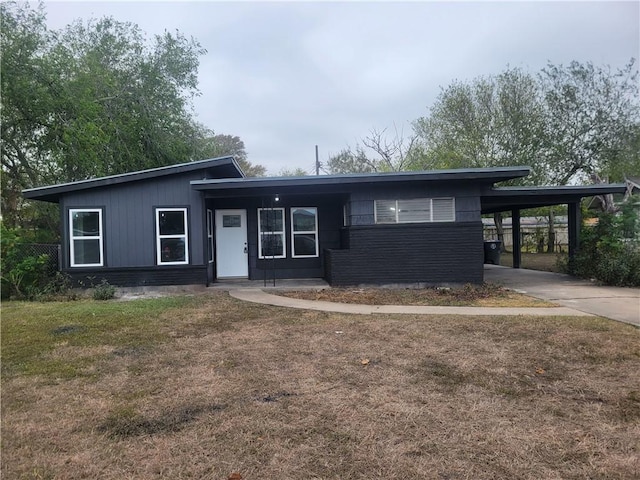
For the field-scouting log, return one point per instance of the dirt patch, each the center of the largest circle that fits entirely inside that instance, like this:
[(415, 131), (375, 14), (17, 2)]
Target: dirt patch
[(486, 295)]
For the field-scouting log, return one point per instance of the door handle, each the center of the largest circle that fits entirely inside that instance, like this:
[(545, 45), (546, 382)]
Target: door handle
[(246, 250)]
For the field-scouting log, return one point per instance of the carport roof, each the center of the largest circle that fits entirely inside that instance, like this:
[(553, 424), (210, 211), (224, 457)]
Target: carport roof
[(500, 199)]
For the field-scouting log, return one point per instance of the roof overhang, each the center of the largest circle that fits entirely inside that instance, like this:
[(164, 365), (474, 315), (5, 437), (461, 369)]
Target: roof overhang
[(347, 182), (502, 199), (214, 167)]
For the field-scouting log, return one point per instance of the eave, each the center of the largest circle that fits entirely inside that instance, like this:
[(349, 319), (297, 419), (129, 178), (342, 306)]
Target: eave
[(347, 182), (220, 167)]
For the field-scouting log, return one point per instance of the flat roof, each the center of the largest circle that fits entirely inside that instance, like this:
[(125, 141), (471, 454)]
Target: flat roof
[(488, 175), (220, 166)]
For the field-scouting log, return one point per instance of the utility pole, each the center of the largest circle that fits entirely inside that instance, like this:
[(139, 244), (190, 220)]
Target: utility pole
[(317, 162)]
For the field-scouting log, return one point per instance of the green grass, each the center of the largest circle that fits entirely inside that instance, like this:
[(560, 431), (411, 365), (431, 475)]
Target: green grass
[(32, 331)]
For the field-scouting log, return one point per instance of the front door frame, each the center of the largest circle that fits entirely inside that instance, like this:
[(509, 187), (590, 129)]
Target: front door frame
[(235, 253)]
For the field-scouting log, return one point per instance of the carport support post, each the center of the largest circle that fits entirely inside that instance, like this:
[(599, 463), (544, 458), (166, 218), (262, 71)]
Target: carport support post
[(515, 235), (574, 221)]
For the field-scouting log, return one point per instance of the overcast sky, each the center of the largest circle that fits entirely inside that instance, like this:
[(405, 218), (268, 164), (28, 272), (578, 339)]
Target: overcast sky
[(287, 76)]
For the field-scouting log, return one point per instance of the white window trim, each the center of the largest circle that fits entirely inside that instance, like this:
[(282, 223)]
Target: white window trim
[(304, 232), (160, 237), (282, 233), (210, 252), (72, 238), (453, 206)]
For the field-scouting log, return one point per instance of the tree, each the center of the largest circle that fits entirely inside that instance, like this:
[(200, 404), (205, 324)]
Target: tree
[(488, 122), (348, 161), (94, 99), (392, 153), (212, 145), (592, 121), (298, 172), (25, 102)]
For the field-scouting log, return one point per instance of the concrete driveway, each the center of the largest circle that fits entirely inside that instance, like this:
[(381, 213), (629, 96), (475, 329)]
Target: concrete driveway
[(617, 303)]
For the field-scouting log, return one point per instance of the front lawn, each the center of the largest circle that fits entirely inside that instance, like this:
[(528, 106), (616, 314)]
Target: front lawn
[(206, 386)]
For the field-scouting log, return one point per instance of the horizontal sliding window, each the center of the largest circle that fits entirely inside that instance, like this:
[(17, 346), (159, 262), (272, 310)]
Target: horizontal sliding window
[(304, 232), (85, 237), (271, 237), (416, 210), (171, 236)]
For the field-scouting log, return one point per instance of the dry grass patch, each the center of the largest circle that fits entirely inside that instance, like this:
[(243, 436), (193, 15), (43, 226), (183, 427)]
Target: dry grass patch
[(485, 295), (276, 393), (546, 262)]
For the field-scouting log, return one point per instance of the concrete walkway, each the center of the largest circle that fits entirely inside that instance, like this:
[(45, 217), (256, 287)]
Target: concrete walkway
[(617, 303), (574, 297), (257, 295)]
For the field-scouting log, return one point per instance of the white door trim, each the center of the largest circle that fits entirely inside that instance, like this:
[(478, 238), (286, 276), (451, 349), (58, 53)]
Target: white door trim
[(232, 258)]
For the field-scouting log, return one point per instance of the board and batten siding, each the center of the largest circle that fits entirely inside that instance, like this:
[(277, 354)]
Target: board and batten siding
[(129, 229)]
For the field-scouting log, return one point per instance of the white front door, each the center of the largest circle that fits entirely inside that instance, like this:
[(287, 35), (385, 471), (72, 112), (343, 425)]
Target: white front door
[(232, 259)]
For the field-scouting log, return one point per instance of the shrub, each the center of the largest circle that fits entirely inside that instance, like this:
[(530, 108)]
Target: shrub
[(609, 251), (104, 291), (22, 276)]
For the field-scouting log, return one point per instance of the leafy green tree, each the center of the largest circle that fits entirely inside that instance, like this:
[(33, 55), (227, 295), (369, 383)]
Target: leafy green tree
[(217, 145), (592, 121), (26, 103), (349, 161), (488, 122), (96, 98)]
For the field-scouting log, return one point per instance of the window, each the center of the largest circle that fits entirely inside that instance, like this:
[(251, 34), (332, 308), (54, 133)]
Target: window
[(271, 238), (210, 235), (304, 232), (417, 210), (171, 236), (85, 237), (444, 210)]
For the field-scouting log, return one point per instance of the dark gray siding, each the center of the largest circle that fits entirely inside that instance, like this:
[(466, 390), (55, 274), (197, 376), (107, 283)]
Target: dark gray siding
[(428, 254), (330, 222), (129, 224)]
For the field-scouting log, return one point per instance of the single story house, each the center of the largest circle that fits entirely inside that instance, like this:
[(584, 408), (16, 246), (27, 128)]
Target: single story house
[(204, 221)]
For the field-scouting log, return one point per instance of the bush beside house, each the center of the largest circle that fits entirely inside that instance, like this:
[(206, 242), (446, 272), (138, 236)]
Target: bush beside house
[(610, 250)]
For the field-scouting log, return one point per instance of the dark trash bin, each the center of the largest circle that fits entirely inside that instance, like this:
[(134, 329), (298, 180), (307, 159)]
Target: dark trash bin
[(492, 252)]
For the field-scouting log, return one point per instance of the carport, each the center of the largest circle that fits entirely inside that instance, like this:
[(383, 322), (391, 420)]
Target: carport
[(515, 199)]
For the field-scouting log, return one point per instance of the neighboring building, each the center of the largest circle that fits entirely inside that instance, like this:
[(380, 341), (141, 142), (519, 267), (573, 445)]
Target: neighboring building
[(201, 222)]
